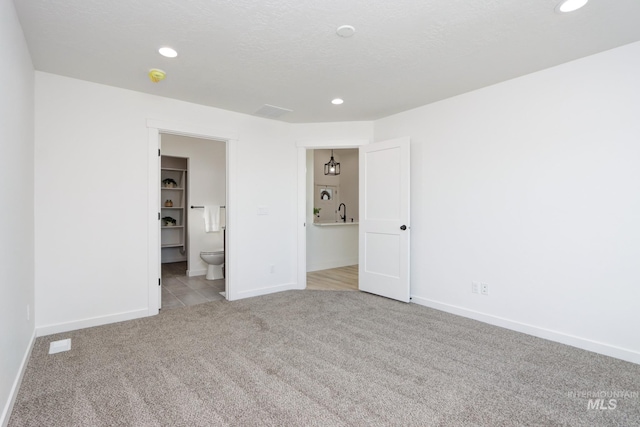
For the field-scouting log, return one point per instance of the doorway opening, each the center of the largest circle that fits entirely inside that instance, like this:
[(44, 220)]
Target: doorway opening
[(332, 206), (159, 132), (193, 212), (384, 201)]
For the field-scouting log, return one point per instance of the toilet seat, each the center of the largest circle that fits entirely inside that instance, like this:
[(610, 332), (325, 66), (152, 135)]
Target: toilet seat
[(218, 252)]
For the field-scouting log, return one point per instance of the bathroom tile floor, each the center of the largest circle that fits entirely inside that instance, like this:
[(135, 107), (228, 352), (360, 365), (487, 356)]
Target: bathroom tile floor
[(178, 290)]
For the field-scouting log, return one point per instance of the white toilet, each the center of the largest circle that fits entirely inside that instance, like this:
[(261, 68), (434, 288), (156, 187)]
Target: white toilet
[(215, 261)]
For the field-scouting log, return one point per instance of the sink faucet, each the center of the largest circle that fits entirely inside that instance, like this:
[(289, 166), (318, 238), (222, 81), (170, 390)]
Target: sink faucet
[(343, 217)]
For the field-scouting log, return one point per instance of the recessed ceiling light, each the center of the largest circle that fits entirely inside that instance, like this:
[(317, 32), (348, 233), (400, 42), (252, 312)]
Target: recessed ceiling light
[(168, 52), (337, 101), (345, 31), (570, 5)]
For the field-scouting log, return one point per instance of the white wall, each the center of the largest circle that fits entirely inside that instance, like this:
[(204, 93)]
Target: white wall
[(16, 193), (92, 163), (350, 183), (533, 187), (206, 187), (333, 134)]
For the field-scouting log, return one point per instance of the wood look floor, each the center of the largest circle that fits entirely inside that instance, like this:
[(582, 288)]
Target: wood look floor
[(334, 279)]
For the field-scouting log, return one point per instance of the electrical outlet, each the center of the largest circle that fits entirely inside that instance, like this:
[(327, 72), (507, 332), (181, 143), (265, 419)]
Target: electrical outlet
[(484, 288), (475, 287)]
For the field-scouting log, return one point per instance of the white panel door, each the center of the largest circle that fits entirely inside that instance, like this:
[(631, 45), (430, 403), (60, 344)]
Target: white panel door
[(384, 219)]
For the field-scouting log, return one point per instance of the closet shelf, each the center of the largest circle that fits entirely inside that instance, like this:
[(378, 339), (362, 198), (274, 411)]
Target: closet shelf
[(173, 170), (172, 245)]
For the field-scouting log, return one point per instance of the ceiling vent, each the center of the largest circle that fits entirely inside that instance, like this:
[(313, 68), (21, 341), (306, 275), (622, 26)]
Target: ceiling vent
[(271, 111)]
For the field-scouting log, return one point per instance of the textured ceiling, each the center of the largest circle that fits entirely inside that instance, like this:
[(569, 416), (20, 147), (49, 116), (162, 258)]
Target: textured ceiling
[(242, 54)]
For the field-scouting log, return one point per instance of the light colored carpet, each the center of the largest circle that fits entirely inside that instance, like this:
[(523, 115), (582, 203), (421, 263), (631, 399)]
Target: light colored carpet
[(316, 358)]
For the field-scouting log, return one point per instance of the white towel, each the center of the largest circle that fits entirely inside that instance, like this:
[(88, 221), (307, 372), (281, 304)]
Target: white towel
[(211, 219)]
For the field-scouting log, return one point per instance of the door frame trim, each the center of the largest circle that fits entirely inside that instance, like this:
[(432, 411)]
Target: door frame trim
[(303, 146), (155, 129)]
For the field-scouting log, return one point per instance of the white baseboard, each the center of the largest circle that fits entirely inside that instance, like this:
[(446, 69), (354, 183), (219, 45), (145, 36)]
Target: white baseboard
[(264, 291), (8, 407), (88, 323), (582, 343), (192, 273), (331, 264)]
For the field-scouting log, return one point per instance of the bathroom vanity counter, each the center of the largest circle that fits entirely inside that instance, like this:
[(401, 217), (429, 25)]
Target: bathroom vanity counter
[(333, 224)]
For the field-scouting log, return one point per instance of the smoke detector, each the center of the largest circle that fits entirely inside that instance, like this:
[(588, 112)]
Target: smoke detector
[(156, 75)]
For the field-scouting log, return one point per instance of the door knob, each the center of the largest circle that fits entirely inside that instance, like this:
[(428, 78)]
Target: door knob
[(403, 227)]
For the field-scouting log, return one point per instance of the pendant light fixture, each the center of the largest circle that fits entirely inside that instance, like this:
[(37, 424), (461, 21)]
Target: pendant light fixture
[(332, 168)]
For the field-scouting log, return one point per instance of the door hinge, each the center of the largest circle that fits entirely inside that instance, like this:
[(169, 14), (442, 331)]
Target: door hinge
[(158, 216), (158, 152), (159, 281)]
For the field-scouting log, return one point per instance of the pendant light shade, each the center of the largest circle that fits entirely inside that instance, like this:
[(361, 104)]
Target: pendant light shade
[(332, 168)]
